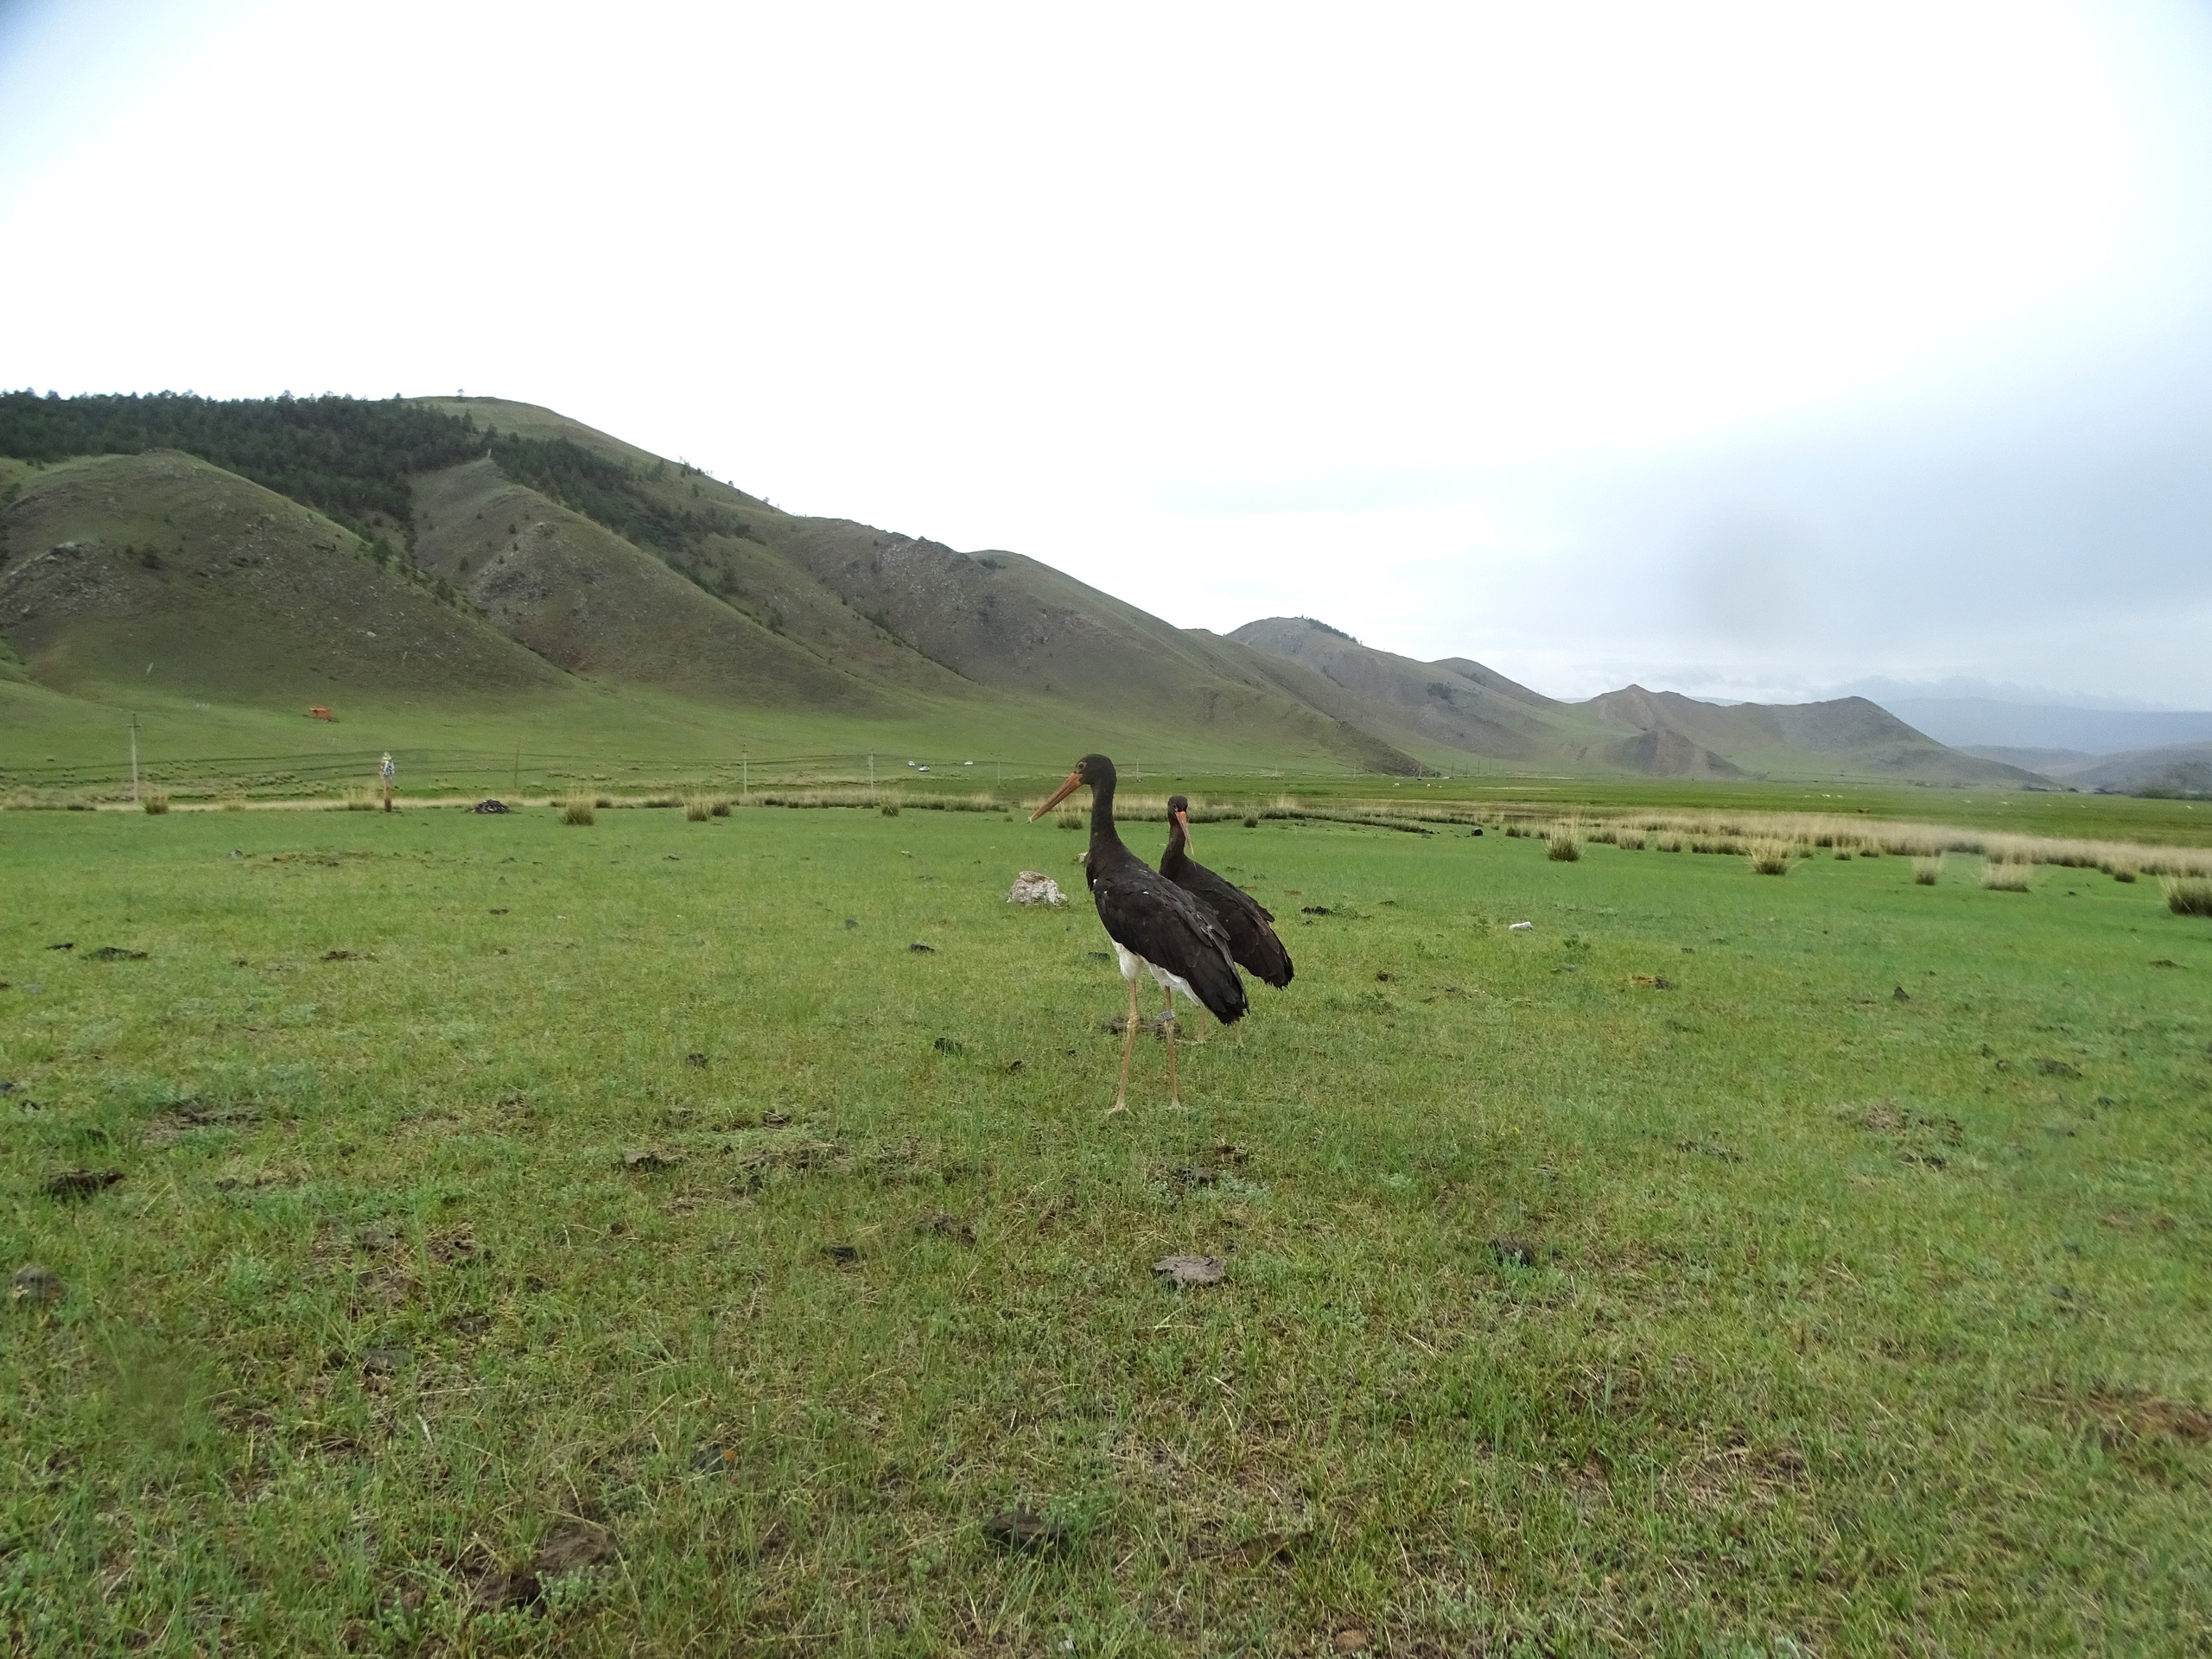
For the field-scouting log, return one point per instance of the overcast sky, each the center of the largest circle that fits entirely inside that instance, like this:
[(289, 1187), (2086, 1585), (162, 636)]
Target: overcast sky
[(1746, 349)]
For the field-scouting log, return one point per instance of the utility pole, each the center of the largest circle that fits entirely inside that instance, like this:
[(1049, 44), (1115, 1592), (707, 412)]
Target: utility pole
[(745, 777), (134, 759), (871, 778), (515, 788)]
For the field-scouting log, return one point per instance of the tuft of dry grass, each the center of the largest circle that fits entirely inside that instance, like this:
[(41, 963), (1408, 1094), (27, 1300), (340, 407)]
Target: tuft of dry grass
[(579, 809), (1925, 870), (2005, 875), (2187, 895), (721, 808), (155, 801), (360, 800), (697, 809), (2123, 873), (1068, 820), (1629, 841), (1770, 857), (891, 808), (1563, 843)]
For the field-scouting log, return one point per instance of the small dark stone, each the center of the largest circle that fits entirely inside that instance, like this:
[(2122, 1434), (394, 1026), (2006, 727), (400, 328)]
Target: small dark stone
[(1315, 910), (489, 806), (842, 1255), (922, 949), (947, 1046), (850, 922), (1025, 1531), (115, 953), (1899, 996), (73, 1185), (1513, 1252), (1383, 976), (65, 944), (2107, 1100), (696, 1060), (1477, 830)]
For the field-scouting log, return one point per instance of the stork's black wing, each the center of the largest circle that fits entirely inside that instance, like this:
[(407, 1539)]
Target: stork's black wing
[(1150, 915), (1252, 938)]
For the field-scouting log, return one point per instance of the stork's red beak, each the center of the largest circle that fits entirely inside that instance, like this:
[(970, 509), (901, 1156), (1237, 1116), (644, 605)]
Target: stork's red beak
[(1074, 783), (1184, 820)]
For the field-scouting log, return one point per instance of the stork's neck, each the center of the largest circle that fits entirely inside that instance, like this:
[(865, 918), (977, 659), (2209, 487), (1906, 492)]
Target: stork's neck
[(1103, 836), (1178, 842)]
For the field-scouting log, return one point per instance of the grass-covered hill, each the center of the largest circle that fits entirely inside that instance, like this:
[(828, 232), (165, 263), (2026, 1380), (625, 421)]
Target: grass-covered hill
[(165, 572), (1460, 707), (496, 564)]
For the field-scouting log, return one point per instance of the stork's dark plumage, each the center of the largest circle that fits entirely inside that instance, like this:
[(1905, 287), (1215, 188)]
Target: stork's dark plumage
[(1252, 938), (1156, 926)]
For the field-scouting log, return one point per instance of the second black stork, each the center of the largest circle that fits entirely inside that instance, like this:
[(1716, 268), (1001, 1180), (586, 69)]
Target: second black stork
[(1251, 931), (1156, 927)]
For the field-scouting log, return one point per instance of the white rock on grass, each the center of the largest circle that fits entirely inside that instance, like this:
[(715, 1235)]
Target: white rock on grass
[(1036, 887)]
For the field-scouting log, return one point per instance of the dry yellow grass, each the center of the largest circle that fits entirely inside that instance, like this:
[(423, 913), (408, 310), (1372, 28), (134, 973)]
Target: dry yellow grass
[(578, 809), (1771, 857), (2005, 875)]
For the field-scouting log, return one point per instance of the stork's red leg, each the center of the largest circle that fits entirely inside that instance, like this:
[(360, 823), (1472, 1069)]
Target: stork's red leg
[(1128, 1048), (1173, 1099)]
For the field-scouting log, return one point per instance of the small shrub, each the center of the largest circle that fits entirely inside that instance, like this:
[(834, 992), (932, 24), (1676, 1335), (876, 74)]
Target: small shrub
[(1667, 844), (1629, 841), (720, 808), (1565, 843), (1070, 820), (233, 802), (2187, 896), (578, 809), (602, 800), (1870, 850), (664, 800), (1843, 852), (891, 808), (697, 809), (1925, 870), (1770, 858), (1251, 822), (155, 802), (2002, 875), (2123, 873)]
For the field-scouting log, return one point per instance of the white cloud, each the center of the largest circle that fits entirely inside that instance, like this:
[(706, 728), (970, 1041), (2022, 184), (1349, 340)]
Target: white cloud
[(1465, 327)]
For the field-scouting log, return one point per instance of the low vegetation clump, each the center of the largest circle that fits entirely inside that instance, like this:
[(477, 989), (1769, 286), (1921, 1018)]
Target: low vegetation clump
[(2123, 873), (2005, 875), (1770, 857), (721, 808), (1068, 820), (697, 809), (360, 800), (579, 810), (1563, 843), (155, 801), (891, 808), (1251, 822), (1925, 870), (2188, 896)]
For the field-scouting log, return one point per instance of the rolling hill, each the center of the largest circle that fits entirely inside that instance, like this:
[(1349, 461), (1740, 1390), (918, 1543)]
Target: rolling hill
[(443, 560)]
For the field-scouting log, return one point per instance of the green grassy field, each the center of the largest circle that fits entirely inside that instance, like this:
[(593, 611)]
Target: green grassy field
[(622, 1239)]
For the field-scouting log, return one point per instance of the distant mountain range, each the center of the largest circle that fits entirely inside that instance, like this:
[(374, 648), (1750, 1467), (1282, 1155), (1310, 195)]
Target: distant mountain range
[(436, 559)]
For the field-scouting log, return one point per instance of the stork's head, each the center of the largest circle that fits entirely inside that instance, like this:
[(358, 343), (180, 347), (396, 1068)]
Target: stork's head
[(1179, 814), (1095, 770)]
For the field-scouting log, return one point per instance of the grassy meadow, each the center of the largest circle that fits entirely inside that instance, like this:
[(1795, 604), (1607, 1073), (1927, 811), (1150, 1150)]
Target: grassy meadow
[(662, 1236)]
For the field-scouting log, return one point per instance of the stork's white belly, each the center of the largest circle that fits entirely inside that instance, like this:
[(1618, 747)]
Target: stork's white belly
[(1133, 964)]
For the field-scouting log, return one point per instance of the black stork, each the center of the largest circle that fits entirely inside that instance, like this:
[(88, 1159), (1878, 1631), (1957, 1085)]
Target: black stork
[(1156, 926), (1252, 938)]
